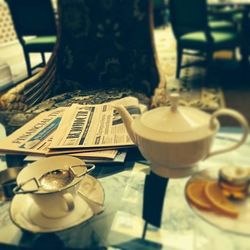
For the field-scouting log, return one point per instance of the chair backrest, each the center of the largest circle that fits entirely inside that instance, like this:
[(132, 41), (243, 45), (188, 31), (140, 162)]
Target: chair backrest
[(159, 3), (188, 16), (32, 17), (106, 44)]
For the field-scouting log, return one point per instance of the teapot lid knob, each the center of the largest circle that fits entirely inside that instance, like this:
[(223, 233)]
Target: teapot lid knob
[(174, 100)]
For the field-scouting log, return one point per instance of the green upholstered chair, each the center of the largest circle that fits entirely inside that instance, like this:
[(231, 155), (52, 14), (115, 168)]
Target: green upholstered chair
[(101, 54), (220, 12), (229, 17), (35, 25), (222, 25), (192, 31), (245, 38)]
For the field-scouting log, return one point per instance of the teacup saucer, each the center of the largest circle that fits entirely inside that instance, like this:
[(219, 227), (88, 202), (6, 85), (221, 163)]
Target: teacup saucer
[(25, 213)]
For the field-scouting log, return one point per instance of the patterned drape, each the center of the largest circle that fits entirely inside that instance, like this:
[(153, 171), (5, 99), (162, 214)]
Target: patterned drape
[(105, 44)]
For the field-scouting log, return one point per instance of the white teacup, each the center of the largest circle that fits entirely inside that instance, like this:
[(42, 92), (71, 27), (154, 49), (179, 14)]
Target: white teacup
[(56, 204), (53, 183)]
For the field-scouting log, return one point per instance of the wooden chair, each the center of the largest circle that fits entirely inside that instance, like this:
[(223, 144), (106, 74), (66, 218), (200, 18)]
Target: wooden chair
[(193, 33), (224, 12), (99, 50), (34, 19), (245, 38)]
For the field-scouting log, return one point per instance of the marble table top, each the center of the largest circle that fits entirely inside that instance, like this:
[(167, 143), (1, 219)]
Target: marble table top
[(121, 226)]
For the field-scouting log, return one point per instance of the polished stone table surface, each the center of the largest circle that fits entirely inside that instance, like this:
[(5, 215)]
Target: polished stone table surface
[(121, 226)]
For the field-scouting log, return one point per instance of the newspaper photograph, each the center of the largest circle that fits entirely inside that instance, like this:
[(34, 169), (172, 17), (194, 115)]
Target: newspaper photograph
[(93, 126)]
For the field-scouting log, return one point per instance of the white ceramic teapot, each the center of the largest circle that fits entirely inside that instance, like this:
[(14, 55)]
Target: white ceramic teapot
[(174, 139)]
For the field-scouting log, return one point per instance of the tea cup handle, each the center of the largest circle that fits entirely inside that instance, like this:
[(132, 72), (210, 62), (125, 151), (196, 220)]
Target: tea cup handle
[(237, 116), (69, 201)]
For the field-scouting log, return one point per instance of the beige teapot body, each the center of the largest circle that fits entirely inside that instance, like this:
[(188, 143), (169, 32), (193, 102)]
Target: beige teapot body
[(175, 159), (174, 139)]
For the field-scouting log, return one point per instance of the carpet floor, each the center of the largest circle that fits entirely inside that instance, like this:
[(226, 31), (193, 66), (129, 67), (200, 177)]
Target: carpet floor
[(229, 86), (191, 85)]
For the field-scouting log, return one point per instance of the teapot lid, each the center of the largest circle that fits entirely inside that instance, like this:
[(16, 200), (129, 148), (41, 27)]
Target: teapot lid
[(174, 123)]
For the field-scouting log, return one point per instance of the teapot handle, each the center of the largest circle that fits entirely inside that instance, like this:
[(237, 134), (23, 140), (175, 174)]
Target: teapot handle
[(237, 116)]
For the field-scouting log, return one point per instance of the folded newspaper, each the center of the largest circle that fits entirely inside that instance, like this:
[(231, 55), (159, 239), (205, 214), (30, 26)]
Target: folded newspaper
[(119, 157), (75, 129)]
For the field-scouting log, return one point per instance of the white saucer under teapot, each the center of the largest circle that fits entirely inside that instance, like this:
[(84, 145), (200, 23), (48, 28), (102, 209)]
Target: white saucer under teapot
[(174, 139)]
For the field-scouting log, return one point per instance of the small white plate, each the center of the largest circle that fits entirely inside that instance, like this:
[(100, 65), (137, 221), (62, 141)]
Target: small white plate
[(239, 225), (26, 215)]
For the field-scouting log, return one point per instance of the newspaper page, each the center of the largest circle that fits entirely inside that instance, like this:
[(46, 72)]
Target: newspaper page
[(35, 136), (94, 126), (119, 157), (101, 154)]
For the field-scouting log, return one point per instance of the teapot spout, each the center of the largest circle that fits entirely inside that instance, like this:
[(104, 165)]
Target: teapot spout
[(127, 120)]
